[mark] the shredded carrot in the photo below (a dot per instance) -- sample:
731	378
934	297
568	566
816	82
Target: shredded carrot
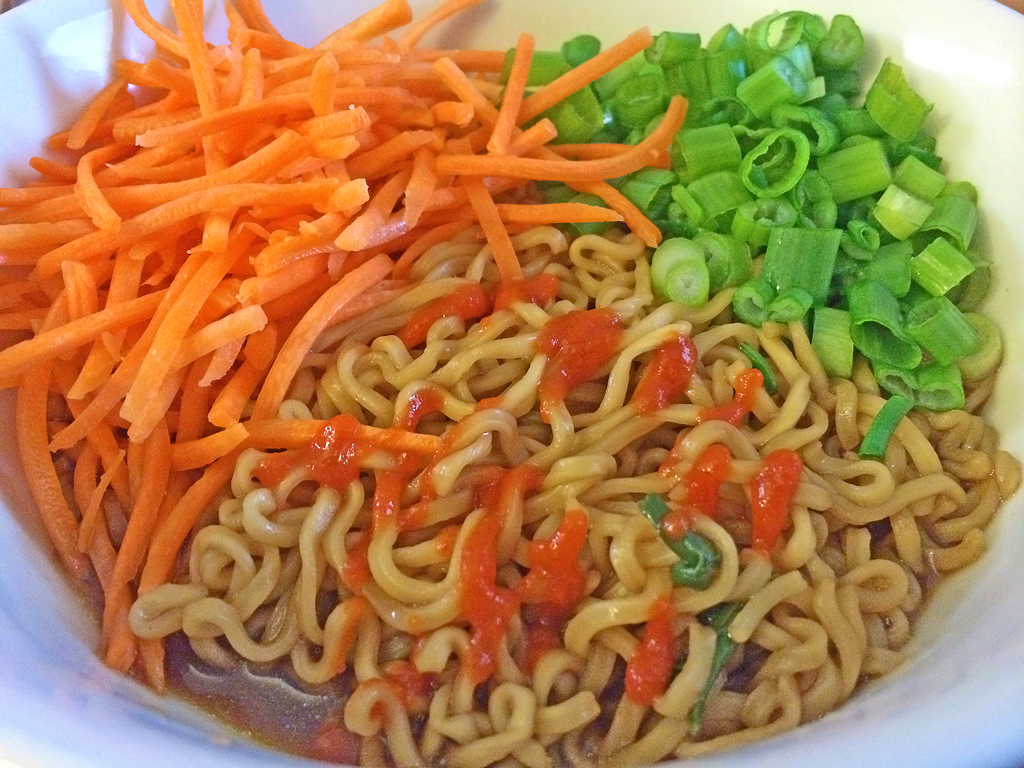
584	74
508	115
183	256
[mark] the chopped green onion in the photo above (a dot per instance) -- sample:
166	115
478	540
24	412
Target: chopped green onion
654	508
812	197
989	351
725	71
831	341
690	79
900	212
790	305
954	216
754	221
889	416
728	39
777	82
708	149
894	105
728	110
963	189
856	171
897	151
544	67
895	380
940	266
698	561
890	266
843	45
650	190
842	81
939	387
555	191
719	192
578	117
679	272
860	240
973	289
751	300
774	166
728	260
802	258
758	361
916	178
857	122
942	330
876	325
688	206
606	85
642	98
718	618
816	89
671	48
821	132
580	49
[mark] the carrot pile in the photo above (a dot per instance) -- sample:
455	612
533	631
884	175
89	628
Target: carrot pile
213	211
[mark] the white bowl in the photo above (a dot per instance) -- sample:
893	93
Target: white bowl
959	701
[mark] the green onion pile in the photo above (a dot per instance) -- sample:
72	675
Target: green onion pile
813	203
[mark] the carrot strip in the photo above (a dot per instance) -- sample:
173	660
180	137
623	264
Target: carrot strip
333	301
17	359
235	327
260	349
588	151
466	90
294	433
265	288
246	193
533	138
43	483
389	15
555	213
382	159
457	113
564	86
322	83
91	198
508	114
92	510
139	406
83	127
195	454
636	158
155	31
170	533
441	12
466	59
422	183
497	236
358	233
254	15
635	219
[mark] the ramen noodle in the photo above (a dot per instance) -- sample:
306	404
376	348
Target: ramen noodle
491	590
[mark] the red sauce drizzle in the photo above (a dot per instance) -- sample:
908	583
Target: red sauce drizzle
667	376
469	302
748	384
649	669
417	688
577	346
703	483
485	605
355	573
556	578
422	402
540	290
770	491
543	633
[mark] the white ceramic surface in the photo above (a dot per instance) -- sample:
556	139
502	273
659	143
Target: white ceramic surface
958	702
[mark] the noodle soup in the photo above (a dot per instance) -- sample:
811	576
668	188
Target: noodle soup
538	521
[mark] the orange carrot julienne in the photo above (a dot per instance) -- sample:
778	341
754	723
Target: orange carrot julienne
416	31
422	183
389	15
90	117
203	451
555	213
357	234
561	87
293	433
91	198
508	114
290	356
566	170
497	236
